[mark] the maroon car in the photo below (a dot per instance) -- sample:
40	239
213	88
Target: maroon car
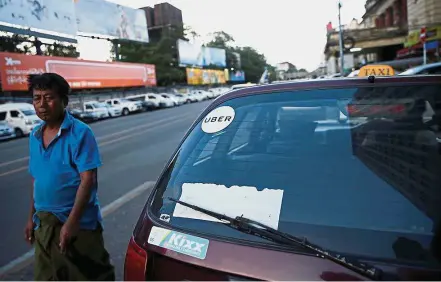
313	180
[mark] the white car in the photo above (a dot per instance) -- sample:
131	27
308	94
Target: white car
200	96
155	99
113	111
168	101
125	105
20	116
98	110
179	98
6	131
434	68
205	94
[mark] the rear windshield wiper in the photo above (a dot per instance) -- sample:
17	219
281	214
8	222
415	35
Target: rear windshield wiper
255	228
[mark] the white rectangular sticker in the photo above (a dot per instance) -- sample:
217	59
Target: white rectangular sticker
262	206
179	242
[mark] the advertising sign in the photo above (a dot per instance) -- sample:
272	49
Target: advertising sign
196	55
50	15
113	20
237	76
14	69
205	76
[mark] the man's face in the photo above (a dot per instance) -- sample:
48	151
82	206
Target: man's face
48	105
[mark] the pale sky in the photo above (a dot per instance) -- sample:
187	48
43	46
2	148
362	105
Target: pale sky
283	30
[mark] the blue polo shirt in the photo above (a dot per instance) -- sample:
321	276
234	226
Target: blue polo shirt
56	170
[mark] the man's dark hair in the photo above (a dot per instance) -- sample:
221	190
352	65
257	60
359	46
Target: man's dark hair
50	81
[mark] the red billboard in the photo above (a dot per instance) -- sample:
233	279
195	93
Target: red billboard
79	73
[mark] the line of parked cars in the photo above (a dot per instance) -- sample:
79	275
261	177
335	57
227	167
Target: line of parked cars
111	108
18	119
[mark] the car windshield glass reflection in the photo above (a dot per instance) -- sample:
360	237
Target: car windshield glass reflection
28	112
359	165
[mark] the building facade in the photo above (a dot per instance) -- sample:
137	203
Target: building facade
161	19
423	13
378	37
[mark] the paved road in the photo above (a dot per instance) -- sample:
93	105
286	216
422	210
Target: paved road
134	150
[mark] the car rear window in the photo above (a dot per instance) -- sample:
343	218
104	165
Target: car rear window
356	170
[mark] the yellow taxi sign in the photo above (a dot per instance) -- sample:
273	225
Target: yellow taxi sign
376	70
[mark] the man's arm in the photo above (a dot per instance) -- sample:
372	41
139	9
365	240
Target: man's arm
86	158
29	228
32	207
88	181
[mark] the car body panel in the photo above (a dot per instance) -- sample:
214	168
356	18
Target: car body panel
23	122
228	258
6	131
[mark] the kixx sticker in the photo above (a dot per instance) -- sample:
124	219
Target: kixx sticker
179	242
218	119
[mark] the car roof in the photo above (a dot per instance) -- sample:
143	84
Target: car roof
421	68
16	106
329	83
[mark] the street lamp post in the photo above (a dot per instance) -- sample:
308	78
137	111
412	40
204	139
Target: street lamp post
340	32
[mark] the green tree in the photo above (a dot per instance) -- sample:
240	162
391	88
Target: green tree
303	70
162	53
14	43
224	41
61	50
252	62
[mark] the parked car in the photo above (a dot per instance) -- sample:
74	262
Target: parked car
181	99
99	110
167	101
112	110
20	116
434	68
276	183
6	131
149	101
86	117
125	105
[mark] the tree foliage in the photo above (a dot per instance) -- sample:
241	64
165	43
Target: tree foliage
16	43
162	53
61	50
252	62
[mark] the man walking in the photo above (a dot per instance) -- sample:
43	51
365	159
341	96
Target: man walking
65	218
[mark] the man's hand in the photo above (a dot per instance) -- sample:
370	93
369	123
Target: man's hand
29	231
68	231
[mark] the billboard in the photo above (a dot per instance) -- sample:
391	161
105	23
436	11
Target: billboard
205	76
50	15
196	55
239	62
110	19
14	69
237	76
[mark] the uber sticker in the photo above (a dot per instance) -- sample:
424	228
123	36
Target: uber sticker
179	242
218	119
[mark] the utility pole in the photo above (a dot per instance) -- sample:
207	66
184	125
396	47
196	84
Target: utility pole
340	32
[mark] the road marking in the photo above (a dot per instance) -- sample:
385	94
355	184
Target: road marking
14	171
27	258
140	126
156	125
14	161
138	133
106	136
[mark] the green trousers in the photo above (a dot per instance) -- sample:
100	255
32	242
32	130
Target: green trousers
85	258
